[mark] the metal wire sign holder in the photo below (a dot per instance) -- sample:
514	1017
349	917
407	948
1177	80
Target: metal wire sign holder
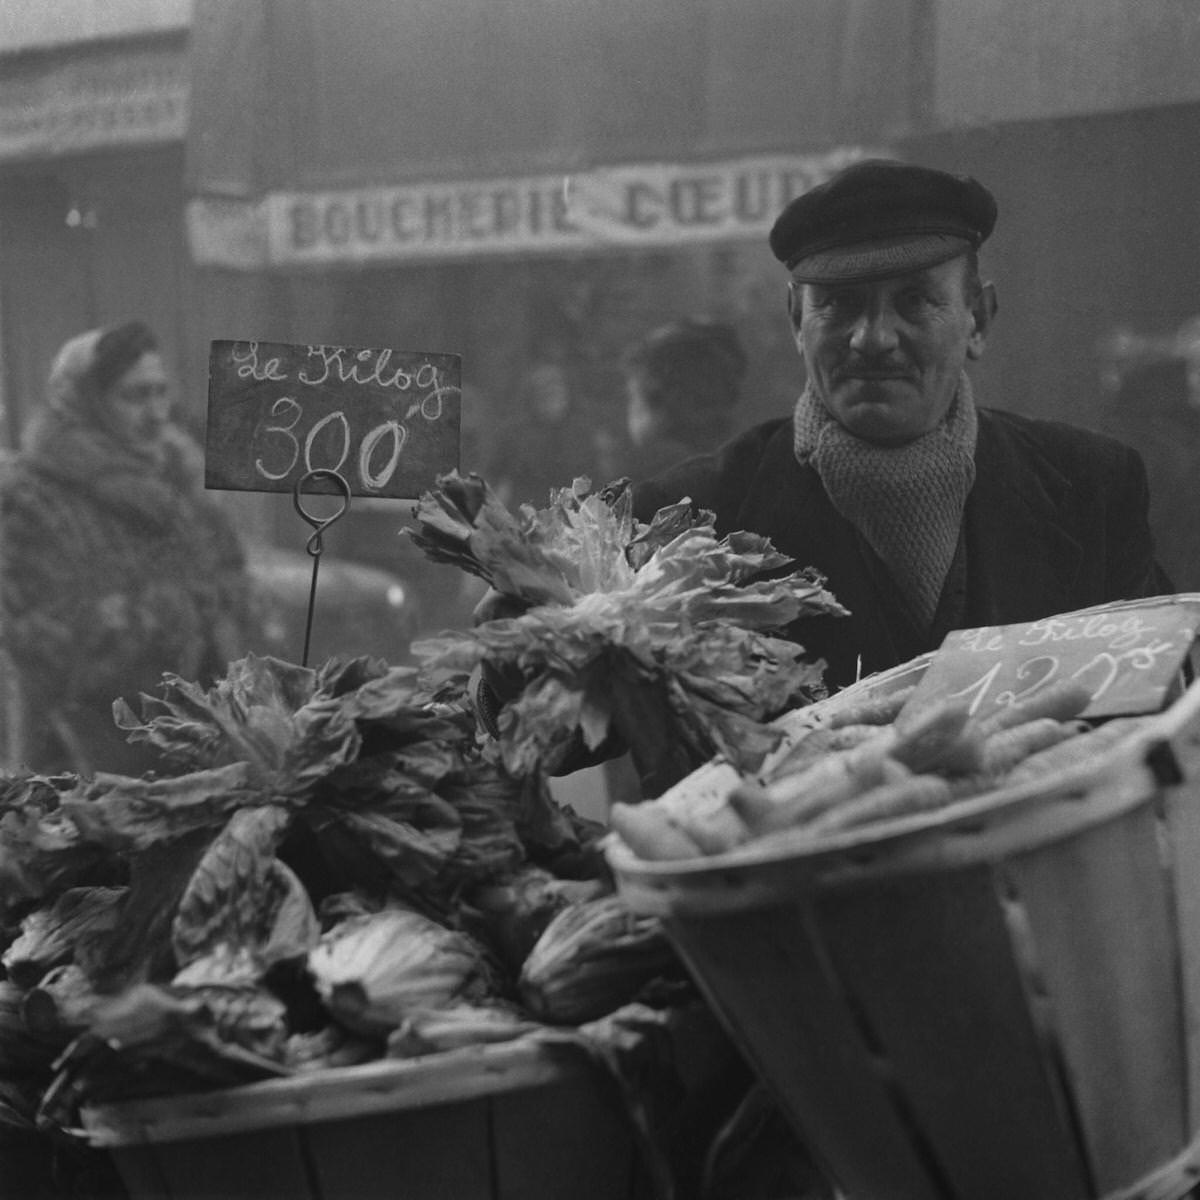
315	545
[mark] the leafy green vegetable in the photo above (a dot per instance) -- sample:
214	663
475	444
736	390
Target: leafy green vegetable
661	634
282	787
41	850
48	935
248	717
372	970
241	897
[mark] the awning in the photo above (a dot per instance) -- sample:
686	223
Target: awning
100	96
332	131
313	94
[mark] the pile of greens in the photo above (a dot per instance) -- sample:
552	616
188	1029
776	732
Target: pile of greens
334	865
657	637
160	933
329	867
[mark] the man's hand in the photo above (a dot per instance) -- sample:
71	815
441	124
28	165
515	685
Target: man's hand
495	606
492	686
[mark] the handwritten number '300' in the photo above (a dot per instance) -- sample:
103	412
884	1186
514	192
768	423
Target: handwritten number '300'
285	405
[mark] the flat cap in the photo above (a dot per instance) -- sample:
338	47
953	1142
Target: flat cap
881	217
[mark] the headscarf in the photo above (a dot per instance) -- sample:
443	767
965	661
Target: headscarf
71	437
69	369
118	349
87	365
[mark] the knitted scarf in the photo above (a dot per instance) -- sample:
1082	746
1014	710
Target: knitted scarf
906	501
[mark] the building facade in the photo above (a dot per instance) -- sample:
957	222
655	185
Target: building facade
542	181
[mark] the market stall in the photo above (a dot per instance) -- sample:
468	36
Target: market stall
931	936
340	926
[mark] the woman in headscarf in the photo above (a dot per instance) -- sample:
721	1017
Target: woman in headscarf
115	567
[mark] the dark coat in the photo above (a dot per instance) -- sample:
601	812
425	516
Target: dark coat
1056	521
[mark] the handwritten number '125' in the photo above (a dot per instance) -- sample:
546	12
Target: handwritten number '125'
287	406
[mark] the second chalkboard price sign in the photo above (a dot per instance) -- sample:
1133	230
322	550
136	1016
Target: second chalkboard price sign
1129	656
386	421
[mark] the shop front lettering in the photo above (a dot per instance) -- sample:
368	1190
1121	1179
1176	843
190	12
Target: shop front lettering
714	201
506	211
752	197
144	97
504	214
435	218
646	204
682	202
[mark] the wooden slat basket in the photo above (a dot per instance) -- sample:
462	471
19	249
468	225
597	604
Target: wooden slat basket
999	1001
519	1121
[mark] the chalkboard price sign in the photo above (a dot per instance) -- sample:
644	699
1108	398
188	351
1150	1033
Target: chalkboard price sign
387	421
1129	656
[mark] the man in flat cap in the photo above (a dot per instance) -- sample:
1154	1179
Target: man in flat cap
924	511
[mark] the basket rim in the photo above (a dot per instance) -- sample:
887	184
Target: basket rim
335	1093
1124	760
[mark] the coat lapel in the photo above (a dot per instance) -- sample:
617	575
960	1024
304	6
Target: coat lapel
787	503
1022	557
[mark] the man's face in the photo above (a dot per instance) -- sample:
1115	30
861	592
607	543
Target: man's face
885	357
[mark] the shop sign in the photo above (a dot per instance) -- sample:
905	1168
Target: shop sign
634	206
386	421
136	98
227	232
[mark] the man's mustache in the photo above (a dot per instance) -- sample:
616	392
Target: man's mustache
881	367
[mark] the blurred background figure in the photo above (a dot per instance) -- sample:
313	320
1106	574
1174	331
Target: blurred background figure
545	440
1151	388
114	564
683	383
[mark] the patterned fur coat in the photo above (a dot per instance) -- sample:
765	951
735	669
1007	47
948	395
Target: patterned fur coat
113	570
